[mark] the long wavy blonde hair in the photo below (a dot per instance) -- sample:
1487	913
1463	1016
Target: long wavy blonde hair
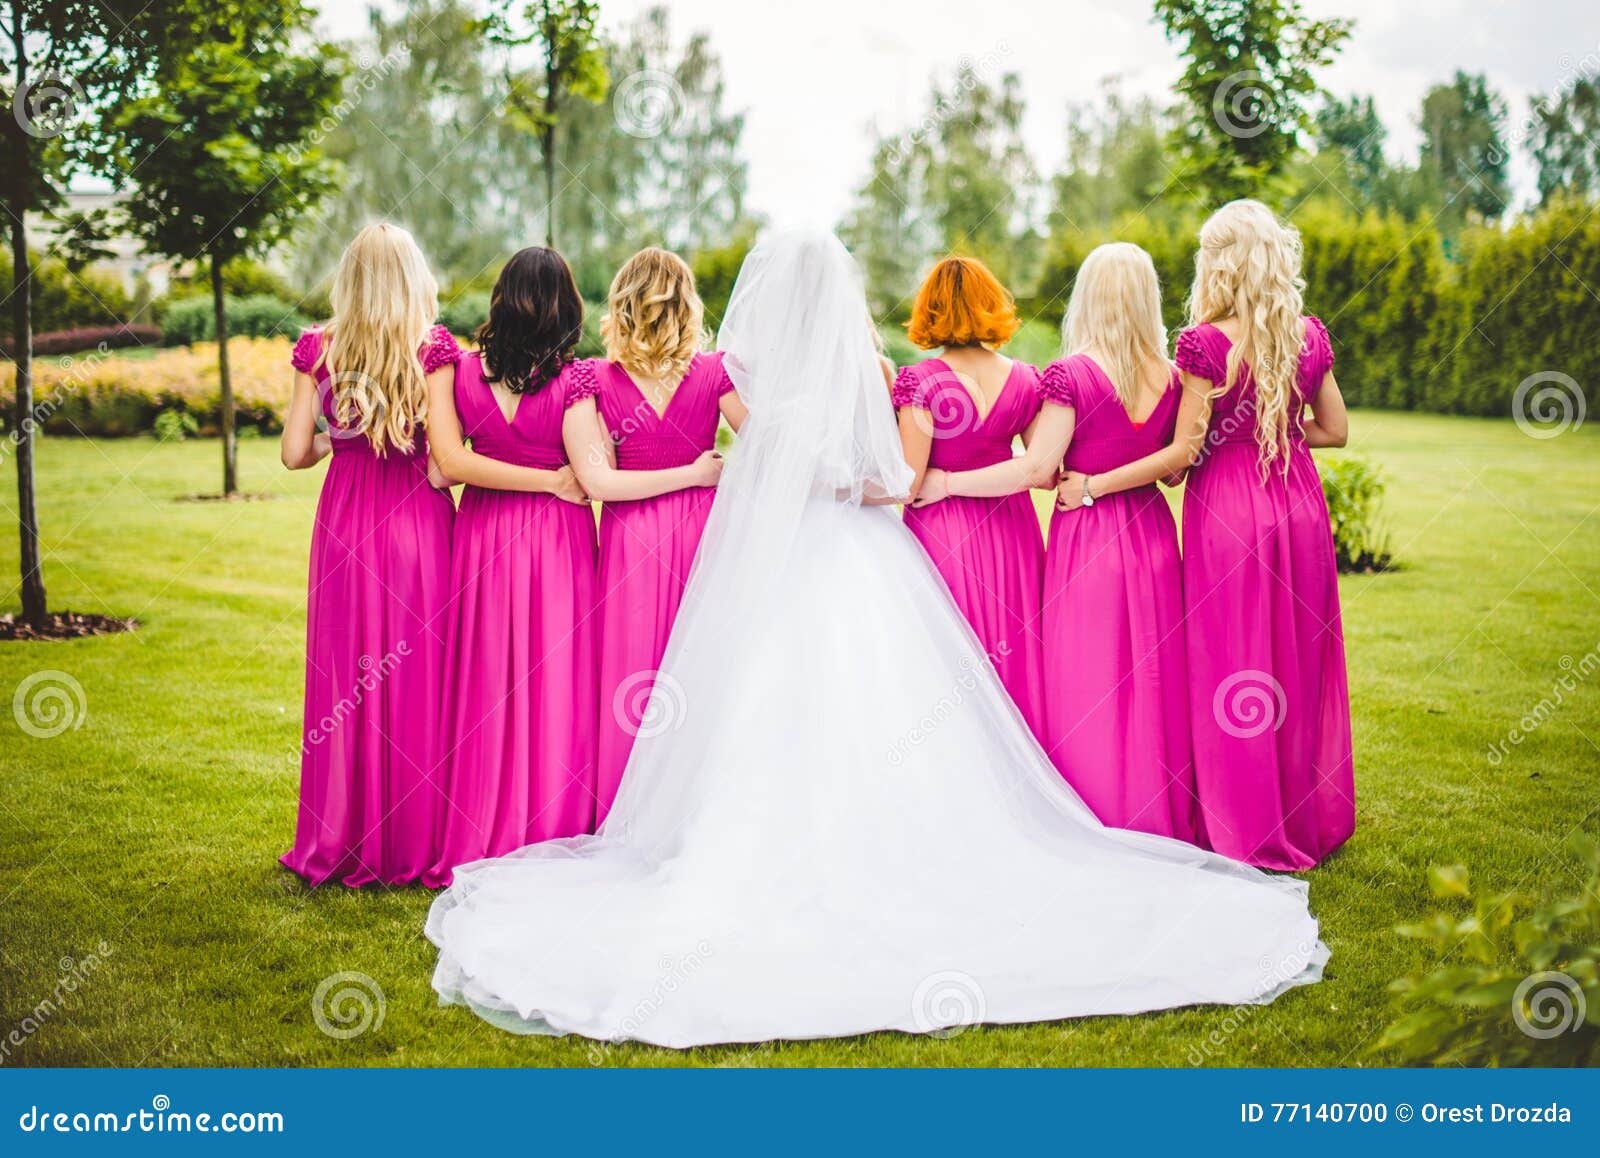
1248	268
384	303
654	321
1116	308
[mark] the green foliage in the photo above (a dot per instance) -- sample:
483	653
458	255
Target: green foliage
715	271
1565	129
241	278
1516	983
1464	153
66	300
175	426
193	319
1248	75
1353	488
464	312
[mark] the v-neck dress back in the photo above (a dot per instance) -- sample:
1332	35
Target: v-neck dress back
1116	691
989	552
647	547
520	710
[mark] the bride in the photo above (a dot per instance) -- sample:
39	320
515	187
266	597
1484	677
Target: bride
834	820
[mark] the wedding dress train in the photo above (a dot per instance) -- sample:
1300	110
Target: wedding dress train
834	820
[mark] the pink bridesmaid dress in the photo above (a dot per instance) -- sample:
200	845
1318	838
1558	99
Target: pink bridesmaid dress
1116	706
989	552
646	548
1268	698
520	713
375	620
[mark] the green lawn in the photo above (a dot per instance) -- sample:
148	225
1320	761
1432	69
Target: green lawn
154	827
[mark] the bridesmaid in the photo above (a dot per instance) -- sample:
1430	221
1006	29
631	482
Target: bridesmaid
1268	696
518	730
1116	712
380	570
959	412
645	446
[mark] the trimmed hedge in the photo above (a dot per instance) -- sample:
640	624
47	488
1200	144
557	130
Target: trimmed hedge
90	338
194	319
1412	329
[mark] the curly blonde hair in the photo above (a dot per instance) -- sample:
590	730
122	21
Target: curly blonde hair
654	323
1248	268
384	302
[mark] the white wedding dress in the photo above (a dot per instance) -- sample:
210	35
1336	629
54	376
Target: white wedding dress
834	820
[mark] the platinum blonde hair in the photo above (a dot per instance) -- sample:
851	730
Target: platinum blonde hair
1248	268
384	302
1116	308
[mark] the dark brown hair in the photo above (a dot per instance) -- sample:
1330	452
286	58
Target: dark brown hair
535	321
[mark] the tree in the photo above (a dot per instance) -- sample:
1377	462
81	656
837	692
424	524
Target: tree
571	65
1248	77
1115	163
1565	129
223	150
960	181
1464	155
1354	130
61	63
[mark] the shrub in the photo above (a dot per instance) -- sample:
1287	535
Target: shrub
91	338
113	395
175	425
464	312
1527	991
63	300
1354	490
190	320
241	278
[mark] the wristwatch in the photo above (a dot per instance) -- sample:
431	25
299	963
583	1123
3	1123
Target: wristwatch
1088	499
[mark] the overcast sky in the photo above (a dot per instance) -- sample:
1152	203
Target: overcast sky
814	75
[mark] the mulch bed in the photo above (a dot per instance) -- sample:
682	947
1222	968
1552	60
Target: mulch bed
65	625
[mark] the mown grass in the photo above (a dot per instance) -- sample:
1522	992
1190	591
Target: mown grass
153	828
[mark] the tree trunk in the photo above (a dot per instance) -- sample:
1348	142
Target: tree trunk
33	597
34	607
549	159
230	445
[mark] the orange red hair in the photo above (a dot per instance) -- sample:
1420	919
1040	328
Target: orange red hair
962	304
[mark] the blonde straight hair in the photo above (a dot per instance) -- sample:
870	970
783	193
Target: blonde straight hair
654	323
384	303
1248	268
1116	308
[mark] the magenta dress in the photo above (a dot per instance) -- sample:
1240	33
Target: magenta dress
375	624
646	548
1269	701
989	552
1116	705
520	712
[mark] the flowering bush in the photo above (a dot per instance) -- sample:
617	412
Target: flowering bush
110	394
90	338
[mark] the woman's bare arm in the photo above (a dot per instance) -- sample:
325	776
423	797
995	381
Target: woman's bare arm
590	451
1329	424
300	446
1188	441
